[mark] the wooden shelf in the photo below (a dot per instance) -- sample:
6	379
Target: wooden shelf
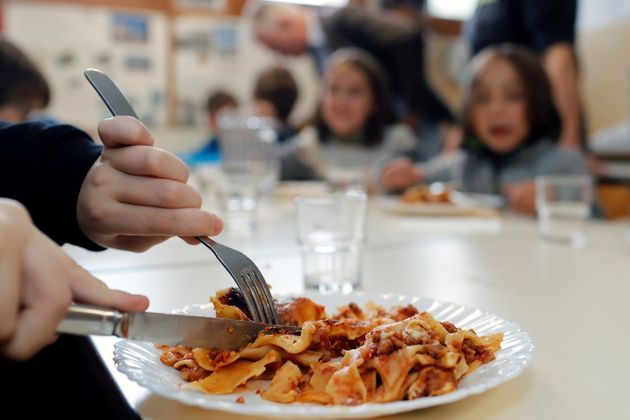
447	27
233	7
147	5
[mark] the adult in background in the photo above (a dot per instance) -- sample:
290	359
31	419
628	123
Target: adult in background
397	46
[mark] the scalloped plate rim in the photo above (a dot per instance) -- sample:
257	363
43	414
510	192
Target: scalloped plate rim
227	403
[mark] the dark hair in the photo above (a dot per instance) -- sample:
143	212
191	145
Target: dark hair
20	79
218	100
542	116
382	114
277	86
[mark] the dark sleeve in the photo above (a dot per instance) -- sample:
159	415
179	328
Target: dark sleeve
549	22
43	167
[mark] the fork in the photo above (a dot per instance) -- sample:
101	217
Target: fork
247	276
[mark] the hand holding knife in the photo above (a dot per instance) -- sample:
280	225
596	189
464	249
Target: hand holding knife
167	329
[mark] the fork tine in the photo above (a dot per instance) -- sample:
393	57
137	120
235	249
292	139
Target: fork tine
221	252
262	296
266	294
257	301
250	299
119	105
249	280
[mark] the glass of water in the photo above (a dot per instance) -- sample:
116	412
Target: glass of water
249	167
331	230
563	204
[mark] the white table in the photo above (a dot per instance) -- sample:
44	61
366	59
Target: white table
573	302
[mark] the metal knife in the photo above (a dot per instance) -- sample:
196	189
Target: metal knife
168	329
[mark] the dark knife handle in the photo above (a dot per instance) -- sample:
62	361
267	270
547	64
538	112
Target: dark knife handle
93	320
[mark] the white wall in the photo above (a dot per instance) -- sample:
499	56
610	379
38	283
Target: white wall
65	40
604	50
199	73
49	32
598	14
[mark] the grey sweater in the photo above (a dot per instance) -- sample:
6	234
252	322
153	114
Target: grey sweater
476	172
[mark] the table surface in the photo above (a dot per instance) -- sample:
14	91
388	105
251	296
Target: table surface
572	301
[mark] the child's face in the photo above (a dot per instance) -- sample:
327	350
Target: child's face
347	102
499	108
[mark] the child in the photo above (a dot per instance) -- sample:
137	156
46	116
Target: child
209	151
511	128
23	88
275	95
352	126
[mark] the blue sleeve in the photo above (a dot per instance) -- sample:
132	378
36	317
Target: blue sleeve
549	22
43	167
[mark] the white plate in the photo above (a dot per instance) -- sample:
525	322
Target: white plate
292	189
141	363
393	204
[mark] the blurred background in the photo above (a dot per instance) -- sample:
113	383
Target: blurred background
169	55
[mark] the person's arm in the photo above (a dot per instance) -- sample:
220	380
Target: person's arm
559	62
43	166
136	195
132	197
521	196
399	173
561	162
551	28
37	283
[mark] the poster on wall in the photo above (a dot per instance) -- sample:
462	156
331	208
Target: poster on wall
128	27
225	38
137	62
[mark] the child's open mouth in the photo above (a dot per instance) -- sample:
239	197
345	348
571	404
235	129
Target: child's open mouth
500	130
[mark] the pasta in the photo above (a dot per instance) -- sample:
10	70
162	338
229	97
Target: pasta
426	194
353	357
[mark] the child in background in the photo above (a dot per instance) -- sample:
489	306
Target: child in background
23	88
511	129
353	126
209	152
275	95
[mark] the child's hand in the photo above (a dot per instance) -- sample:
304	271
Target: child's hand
37	283
136	195
522	196
400	174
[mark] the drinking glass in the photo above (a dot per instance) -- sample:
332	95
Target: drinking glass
563	204
331	231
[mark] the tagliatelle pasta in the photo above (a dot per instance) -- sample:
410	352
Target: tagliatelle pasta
353	357
427	194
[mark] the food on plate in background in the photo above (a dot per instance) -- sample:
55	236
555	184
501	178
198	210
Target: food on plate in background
427	194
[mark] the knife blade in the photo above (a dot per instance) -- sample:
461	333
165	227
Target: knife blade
167	329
